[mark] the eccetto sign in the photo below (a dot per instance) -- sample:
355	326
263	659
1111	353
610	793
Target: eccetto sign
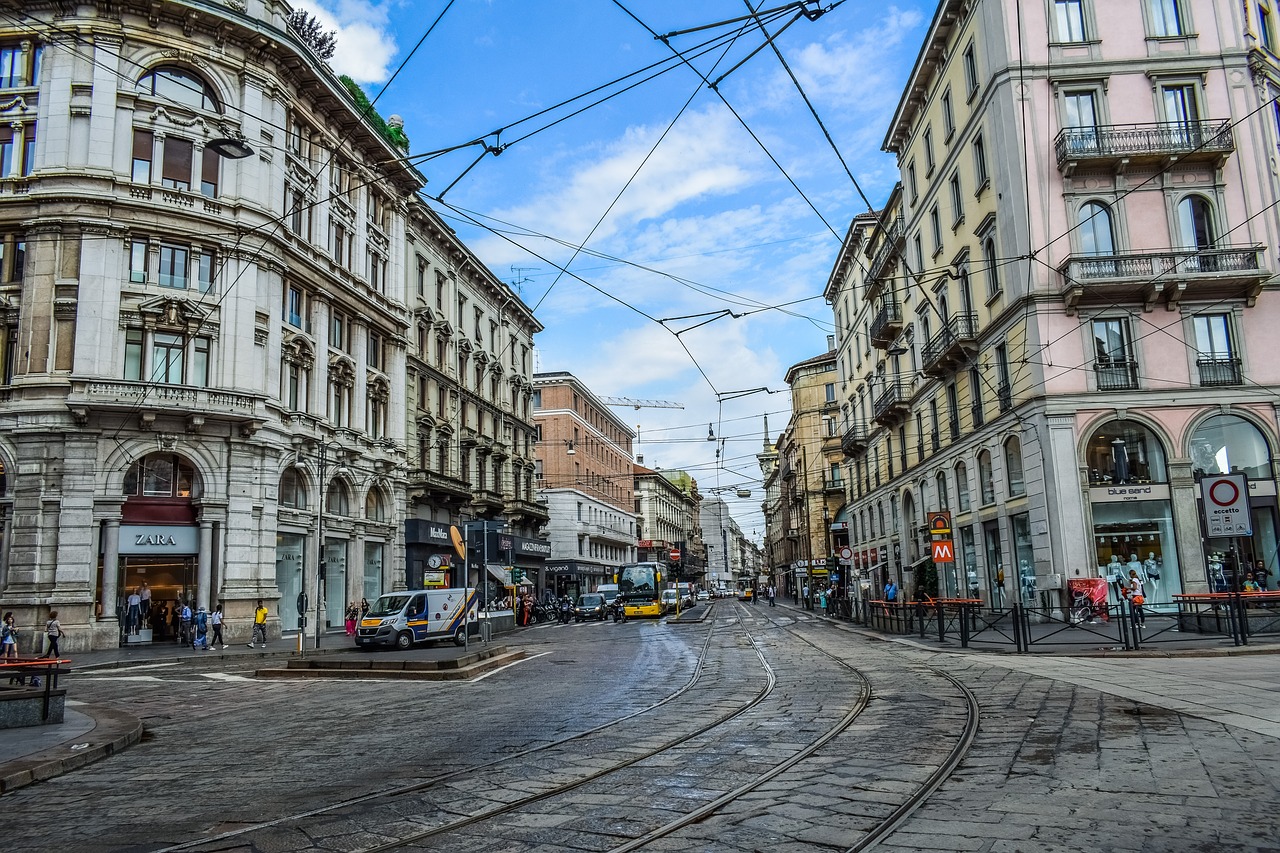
1225	504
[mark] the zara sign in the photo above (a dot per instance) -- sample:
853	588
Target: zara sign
158	539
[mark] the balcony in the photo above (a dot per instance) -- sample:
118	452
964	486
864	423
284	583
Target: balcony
439	488
1219	371
1230	272
486	500
1122	145
833	486
892	405
855	440
890	248
951	347
1005	395
887	325
534	512
978	414
1116	374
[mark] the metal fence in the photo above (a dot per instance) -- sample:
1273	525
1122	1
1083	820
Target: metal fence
1205	619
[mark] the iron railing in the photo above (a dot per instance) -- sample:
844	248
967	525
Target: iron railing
1116	374
1219	371
1167	138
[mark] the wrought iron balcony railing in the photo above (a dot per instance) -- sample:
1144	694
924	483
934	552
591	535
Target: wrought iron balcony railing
887	324
1228	271
1219	371
951	345
1116	374
1210	137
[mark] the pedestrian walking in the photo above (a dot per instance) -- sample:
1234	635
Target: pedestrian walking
215	619
53	630
184	624
200	640
8	637
350	621
890	591
259	625
773	591
1136	593
364	607
805	595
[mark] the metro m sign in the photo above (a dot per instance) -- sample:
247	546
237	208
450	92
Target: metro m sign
944	551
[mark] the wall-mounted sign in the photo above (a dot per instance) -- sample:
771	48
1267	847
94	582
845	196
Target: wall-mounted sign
158	539
1225	505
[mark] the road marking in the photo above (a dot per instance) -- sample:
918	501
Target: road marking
508	666
225	676
101	672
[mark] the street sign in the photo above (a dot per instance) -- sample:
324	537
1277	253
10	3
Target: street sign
1225	504
939	523
302	604
675	555
944	551
846	553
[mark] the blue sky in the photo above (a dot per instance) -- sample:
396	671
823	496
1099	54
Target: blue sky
681	210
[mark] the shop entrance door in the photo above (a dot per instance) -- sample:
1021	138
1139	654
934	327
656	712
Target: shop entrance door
171	581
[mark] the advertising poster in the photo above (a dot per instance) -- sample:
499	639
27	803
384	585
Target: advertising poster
1088	599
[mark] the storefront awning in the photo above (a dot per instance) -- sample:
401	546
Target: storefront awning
499	573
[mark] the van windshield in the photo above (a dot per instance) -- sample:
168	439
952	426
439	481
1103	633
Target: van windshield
388	605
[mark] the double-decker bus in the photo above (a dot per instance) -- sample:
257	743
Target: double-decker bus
639	588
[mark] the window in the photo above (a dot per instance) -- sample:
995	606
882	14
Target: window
1126	452
1166	18
914	186
962	487
957	202
138	261
917	252
993	267
293	493
143	151
953	411
981	175
339	403
293	305
299	212
970	70
928	151
178	86
1069	19
1215	355
377	272
174	262
975	395
340	180
986	478
299	139
1195	225
174	359
336	501
1225	443
376	349
1080	120
296	379
338	325
935	224
1114	367
17	151
944	501
19	67
1095	234
1005	391
948	116
176	168
1013	467
209	165
1266	25
341	242
422	277
830	390
205	270
1181	106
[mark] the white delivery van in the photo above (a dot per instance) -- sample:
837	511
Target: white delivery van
401	619
609	591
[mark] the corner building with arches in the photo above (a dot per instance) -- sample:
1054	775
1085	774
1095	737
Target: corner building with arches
1064	314
215	273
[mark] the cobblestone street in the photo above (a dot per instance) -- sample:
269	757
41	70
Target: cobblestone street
1171	754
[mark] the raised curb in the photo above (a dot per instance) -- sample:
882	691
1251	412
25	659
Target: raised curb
403	670
112	732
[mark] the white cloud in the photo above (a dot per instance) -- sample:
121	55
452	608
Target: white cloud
365	45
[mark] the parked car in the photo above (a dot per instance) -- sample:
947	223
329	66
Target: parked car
703	595
590	605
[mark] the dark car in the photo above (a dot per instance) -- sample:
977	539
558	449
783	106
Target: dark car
590	606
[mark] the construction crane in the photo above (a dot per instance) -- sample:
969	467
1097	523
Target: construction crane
640	404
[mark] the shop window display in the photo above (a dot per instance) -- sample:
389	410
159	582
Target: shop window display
1124	452
1226	443
1137	536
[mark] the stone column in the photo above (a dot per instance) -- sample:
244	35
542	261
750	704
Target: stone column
204	563
110	569
6	534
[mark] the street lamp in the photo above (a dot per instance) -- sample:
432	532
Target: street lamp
322	494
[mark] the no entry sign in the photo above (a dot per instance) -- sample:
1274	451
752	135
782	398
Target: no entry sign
1225	503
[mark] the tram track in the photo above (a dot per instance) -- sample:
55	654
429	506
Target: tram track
555	794
398	791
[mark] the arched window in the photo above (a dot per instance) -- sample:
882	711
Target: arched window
293	493
1096	236
1226	443
177	85
962	486
375	509
986	478
160	475
944	500
1125	452
1195	223
336	501
1013	467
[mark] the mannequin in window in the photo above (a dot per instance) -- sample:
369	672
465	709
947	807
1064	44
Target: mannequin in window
1119	461
1111	569
1136	567
1152	567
